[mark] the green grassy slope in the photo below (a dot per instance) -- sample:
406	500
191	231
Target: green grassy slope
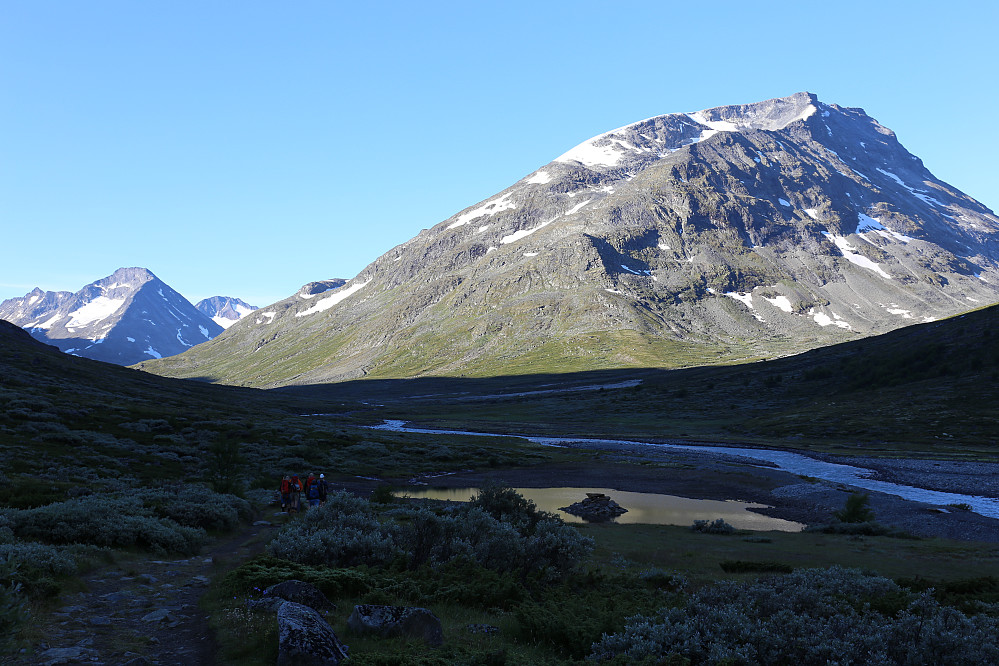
929	388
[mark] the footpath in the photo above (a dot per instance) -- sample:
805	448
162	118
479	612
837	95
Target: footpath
141	611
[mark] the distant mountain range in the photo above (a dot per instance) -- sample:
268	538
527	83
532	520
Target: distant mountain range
124	318
729	234
224	310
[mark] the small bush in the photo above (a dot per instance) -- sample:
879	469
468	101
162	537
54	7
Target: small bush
857	509
344	532
717	526
382	494
507	505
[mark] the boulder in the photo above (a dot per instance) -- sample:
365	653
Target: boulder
306	639
300	592
597	507
265	604
391	621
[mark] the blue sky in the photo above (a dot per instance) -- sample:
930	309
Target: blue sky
246	148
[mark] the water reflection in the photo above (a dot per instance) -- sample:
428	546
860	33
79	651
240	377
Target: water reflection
648	508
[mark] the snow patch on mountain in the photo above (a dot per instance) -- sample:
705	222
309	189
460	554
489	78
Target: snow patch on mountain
328	302
101	307
781	302
919	194
851	255
540	177
488	208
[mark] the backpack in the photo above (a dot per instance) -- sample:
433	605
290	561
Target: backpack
314	491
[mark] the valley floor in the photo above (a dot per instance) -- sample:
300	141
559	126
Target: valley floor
639	468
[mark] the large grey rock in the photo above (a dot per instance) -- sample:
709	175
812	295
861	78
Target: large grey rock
305	638
66	655
389	621
266	604
301	593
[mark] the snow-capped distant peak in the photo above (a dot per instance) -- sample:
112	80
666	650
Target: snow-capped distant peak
104	319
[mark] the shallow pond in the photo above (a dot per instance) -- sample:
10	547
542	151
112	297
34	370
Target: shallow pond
789	461
648	508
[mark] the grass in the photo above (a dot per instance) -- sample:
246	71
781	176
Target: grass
700	556
927	390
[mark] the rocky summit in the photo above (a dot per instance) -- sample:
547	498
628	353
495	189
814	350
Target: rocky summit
124	318
224	310
734	233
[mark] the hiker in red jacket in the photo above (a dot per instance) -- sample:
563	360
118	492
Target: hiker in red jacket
296	494
285	492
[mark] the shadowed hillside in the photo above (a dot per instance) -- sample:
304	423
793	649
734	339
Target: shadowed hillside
930	388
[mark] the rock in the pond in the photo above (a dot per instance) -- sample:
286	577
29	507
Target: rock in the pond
596	507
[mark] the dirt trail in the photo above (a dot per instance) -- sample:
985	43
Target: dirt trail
143	610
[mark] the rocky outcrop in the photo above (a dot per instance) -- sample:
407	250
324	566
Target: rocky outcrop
388	621
305	638
596	508
300	592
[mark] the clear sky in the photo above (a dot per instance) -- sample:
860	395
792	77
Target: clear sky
244	148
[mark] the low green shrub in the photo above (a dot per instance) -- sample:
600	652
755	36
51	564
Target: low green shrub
861	529
253	577
13	606
717	526
967	594
196	506
347	532
744	566
104	520
812	616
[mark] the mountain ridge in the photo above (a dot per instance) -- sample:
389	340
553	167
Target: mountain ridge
122	318
733	233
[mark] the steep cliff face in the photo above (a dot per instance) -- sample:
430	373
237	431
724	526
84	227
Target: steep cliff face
737	232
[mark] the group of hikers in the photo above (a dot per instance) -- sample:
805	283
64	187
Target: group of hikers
314	490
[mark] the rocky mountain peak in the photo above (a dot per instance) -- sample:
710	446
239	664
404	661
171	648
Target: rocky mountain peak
736	232
122	318
772	115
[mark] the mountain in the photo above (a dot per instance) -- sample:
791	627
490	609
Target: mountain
733	233
124	318
224	310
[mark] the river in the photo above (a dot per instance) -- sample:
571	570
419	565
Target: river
788	461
